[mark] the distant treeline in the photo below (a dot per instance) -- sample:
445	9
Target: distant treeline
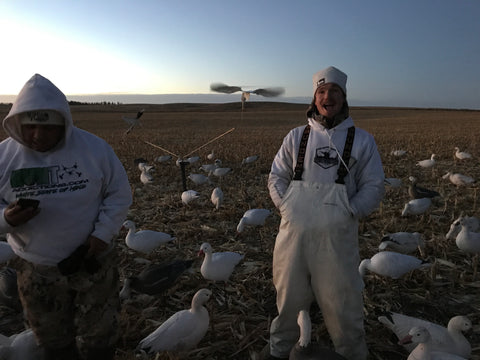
95	103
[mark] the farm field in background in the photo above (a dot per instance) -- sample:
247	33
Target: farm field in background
242	311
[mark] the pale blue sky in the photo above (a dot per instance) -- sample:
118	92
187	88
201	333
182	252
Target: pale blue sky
400	53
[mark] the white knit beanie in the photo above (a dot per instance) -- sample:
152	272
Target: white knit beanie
330	75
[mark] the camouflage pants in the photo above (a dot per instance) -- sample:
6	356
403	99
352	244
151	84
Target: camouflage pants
80	307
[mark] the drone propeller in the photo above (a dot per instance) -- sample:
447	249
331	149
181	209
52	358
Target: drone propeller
267	92
223	88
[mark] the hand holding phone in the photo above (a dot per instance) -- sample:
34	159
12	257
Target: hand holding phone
25	203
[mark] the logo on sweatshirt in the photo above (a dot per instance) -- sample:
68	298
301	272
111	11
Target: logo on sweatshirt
47	180
326	157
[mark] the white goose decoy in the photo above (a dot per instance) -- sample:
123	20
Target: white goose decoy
144	241
304	349
183	330
163	158
21	346
427	163
146	176
402	241
398	152
448	339
211	156
6	252
462	155
192	159
220	265
468	240
220	171
420	336
391	264
416	206
208	168
217	197
253	217
199	179
250	159
458	179
189	195
472	222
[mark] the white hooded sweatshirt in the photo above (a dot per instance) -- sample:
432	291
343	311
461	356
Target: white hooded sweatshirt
81	184
365	179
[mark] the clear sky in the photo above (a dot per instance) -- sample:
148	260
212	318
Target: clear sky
397	53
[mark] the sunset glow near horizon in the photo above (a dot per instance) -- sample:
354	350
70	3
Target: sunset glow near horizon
409	53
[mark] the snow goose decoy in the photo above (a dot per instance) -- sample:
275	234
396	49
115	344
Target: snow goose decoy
183	330
163	158
462	155
472	222
250	159
144	241
458	179
427	163
22	346
199	179
253	217
398	152
189	195
146	176
155	278
208	168
220	171
217	197
391	264
448	339
416	206
304	349
218	266
420	336
469	242
418	192
402	241
211	156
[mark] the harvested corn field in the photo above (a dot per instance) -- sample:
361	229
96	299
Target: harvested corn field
241	311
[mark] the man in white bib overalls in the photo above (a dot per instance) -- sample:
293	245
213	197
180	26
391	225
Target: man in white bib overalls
325	176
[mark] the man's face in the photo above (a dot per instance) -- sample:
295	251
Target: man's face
329	99
42	137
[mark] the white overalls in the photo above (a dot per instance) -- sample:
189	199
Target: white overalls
316	257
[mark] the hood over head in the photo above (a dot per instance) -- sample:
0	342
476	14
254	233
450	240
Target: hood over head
39	102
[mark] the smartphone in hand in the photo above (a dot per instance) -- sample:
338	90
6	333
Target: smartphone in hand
25	203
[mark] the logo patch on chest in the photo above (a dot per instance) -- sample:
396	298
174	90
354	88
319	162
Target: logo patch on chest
326	157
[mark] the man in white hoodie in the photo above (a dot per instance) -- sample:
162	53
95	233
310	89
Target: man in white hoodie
326	175
66	265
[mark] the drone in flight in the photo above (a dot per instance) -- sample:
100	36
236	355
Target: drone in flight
267	92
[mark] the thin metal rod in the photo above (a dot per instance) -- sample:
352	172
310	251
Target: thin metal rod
159	147
218	137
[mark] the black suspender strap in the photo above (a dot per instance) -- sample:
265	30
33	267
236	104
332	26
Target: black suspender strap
342	170
301	154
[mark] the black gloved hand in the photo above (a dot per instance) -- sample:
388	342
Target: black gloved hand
74	261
